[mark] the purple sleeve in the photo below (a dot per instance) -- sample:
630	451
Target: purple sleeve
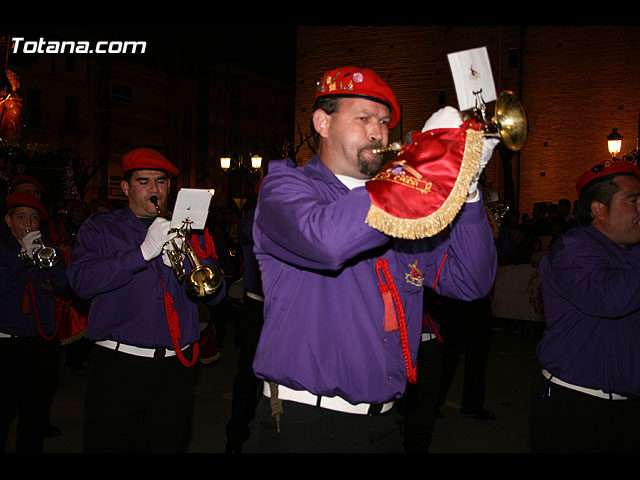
471	262
299	225
115	269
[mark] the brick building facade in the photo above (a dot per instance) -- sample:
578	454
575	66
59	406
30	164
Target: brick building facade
576	84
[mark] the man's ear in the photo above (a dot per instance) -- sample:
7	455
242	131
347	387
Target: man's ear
124	185
321	121
598	210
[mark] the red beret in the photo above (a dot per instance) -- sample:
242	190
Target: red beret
148	159
359	82
420	192
20	179
24	199
608	168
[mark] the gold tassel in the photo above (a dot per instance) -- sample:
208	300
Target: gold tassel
416	228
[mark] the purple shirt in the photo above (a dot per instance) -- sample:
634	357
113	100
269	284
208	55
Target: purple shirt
592	311
324	329
15	275
126	292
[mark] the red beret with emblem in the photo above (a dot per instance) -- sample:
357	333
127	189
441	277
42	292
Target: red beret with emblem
420	192
25	199
608	168
359	82
148	159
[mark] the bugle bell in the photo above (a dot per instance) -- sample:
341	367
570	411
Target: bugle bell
43	256
203	280
509	122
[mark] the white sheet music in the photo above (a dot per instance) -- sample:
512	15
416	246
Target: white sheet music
471	71
192	204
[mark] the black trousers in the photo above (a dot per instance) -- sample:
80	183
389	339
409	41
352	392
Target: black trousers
310	429
246	386
421	398
466	329
566	421
137	404
29	369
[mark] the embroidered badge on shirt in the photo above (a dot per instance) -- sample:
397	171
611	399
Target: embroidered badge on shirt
415	276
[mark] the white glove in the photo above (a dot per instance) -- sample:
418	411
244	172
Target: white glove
165	257
447	117
488	145
157	236
30	242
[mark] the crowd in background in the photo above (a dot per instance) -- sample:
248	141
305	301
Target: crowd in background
525	239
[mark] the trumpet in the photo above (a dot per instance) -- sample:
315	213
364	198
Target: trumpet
203	279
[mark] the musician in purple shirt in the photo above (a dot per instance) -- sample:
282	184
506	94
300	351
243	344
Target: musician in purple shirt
29	345
332	368
587	395
139	396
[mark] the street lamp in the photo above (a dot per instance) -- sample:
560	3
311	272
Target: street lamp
614	141
239	172
256	163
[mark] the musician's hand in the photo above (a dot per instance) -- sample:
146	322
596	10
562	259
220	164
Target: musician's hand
157	236
447	117
31	242
165	256
488	145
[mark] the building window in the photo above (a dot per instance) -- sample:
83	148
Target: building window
121	93
70	63
71	114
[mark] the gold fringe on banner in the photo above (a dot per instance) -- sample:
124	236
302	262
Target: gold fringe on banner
434	223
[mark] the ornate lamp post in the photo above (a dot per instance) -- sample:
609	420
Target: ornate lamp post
242	171
614	143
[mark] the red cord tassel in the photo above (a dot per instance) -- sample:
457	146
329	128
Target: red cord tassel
173	320
383	265
31	293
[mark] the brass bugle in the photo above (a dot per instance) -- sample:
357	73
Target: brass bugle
174	253
394	147
44	256
204	279
509	122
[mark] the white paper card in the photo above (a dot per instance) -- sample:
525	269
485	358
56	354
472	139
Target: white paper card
192	204
471	71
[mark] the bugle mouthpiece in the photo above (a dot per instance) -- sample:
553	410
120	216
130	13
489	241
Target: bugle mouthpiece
394	147
153	199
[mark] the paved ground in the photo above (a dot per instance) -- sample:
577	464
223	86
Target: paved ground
512	365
